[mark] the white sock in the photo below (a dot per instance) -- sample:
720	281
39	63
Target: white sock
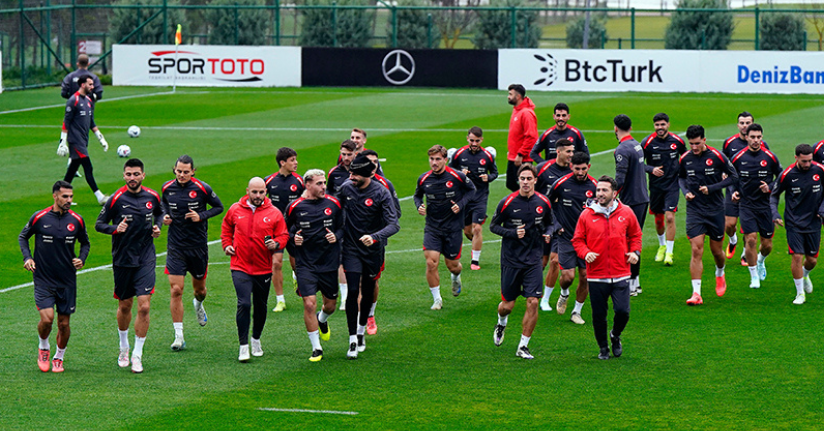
761	258
138	346
670	246
696	286
361	329
734	239
344	291
637	282
199	304
799	286
178	329
632	285
524	341
719	272
564	292
372	310
99	195
353	339
807	272
547	293
476	255
753	271
281	298
743	251
314	339
323	317
60	353
456	277
578	307
124	339
436	292
662	239
44	344
503	319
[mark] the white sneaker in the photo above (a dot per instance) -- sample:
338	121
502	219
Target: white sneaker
562	304
103	200
800	299
755	283
123	358
437	305
137	364
178	344
352	353
257	351
808	284
576	319
243	356
201	313
361	343
545	305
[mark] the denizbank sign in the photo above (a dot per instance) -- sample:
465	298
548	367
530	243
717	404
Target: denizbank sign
662	70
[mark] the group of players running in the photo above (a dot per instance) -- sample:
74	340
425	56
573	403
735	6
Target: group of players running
453	196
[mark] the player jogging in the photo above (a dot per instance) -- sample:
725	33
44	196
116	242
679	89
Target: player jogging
561	130
339	175
701	179
54	266
78	119
478	164
803	209
132	216
662	150
524	221
188	204
758	168
447	193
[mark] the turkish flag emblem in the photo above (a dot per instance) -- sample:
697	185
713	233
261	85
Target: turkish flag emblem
328	211
70	228
368	202
709	162
482	162
539	210
192	194
763	163
149	205
293	187
589	193
674	147
449	184
816	177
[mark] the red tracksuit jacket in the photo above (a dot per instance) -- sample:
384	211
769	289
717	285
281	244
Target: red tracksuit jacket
611	237
246	229
523	130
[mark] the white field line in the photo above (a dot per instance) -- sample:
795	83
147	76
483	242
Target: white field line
104	267
113	99
330	412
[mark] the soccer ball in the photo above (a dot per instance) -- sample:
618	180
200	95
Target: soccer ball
134	131
449	153
124	151
491	149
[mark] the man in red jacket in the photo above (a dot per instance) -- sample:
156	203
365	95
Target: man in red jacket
608	238
523	132
252	231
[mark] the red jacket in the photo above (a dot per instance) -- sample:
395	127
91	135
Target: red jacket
523	131
611	237
246	229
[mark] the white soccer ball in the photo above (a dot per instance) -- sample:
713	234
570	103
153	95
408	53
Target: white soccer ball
134	131
449	153
492	151
124	150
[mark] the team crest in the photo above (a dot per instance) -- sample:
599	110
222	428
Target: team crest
709	162
70	227
674	147
293	188
328	211
449	184
816	177
149	205
589	193
192	194
368	202
763	163
482	162
621	219
539	209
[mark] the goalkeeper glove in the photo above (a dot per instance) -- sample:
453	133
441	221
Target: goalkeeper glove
62	147
102	140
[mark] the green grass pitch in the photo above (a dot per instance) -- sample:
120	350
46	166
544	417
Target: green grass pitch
749	360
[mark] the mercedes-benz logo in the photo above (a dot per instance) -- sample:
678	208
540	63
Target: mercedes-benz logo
549	63
398	67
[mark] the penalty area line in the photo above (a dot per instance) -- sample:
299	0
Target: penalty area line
329	412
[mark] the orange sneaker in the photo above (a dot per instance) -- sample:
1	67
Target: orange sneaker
695	299
475	265
731	250
371	326
720	285
57	366
43	360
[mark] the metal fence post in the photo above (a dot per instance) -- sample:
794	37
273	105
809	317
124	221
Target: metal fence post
22	49
335	24
429	30
48	35
704	39
394	26
277	22
73	38
603	39
757	35
165	22
514	26
804	45
237	25
619	43
632	29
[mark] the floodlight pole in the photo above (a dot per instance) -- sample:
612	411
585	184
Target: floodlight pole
585	42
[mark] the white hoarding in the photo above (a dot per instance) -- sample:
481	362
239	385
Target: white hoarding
662	70
206	66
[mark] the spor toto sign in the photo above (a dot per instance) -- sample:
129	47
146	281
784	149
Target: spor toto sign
203	65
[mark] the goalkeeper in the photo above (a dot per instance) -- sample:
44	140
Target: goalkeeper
74	139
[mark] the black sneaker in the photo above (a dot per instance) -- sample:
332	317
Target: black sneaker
617	348
317	355
323	327
604	353
361	343
523	352
498	334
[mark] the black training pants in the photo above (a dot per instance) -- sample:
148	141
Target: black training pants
249	288
512	175
87	171
366	286
599	294
640	211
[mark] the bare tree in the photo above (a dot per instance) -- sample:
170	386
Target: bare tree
815	18
455	20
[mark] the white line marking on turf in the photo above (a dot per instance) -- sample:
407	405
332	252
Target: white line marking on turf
113	99
331	412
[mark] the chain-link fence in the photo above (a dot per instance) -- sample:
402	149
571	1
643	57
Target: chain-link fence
40	39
